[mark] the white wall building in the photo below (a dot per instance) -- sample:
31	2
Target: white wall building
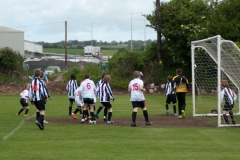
12	38
31	48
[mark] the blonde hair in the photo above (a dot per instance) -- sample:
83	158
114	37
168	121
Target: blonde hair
26	85
106	78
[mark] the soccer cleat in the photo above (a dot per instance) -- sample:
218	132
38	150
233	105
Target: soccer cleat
39	125
92	122
175	114
105	118
183	113
109	122
233	122
17	114
148	123
25	115
134	124
44	121
96	115
74	116
180	117
83	120
167	111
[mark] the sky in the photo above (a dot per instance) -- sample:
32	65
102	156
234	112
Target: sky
105	20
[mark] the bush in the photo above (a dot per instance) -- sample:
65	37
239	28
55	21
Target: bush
11	66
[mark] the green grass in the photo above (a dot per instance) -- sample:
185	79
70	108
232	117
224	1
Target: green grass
76	51
23	140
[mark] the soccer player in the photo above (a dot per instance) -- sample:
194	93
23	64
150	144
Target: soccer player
79	101
105	94
88	91
170	95
98	95
42	78
38	96
24	101
137	98
45	78
181	89
71	87
229	97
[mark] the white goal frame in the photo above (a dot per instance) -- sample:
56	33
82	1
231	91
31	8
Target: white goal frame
216	57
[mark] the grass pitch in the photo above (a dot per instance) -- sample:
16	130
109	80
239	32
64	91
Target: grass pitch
23	140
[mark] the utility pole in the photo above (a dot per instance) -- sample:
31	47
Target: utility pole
159	34
66	45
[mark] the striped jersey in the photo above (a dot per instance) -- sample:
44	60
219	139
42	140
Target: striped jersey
24	94
88	89
97	87
71	87
228	96
37	90
134	87
105	92
169	89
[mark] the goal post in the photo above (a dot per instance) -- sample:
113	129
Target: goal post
213	60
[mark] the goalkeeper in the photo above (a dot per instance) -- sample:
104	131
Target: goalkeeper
229	98
181	90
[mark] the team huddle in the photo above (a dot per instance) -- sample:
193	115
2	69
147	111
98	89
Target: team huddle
86	94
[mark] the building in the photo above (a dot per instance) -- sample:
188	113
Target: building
15	39
12	38
32	50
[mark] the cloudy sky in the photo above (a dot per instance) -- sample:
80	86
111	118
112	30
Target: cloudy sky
106	20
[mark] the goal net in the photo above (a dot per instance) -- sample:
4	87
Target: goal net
213	60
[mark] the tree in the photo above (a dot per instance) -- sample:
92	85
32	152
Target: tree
11	62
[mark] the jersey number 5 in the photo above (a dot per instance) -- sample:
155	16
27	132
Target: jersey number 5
135	87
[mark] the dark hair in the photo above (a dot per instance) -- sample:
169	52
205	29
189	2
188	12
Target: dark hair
37	72
86	76
179	71
136	74
73	76
103	74
169	78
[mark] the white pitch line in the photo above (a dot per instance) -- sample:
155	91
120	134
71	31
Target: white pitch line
17	128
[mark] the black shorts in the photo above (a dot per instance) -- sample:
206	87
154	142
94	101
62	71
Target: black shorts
137	104
40	105
24	102
107	105
227	107
71	100
171	98
88	101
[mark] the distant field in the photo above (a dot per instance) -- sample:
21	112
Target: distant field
76	51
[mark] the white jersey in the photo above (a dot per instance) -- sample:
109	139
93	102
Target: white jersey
78	97
136	93
88	89
24	94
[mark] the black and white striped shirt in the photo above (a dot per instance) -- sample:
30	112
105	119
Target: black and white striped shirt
105	92
97	86
169	89
71	87
228	96
38	90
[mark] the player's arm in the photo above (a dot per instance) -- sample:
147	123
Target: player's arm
142	89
